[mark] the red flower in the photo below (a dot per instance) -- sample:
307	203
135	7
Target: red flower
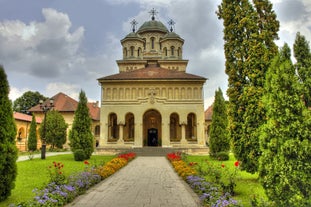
86	162
222	165
236	163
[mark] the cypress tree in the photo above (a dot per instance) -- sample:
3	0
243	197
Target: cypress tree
285	164
248	33
80	136
8	150
219	135
32	138
303	56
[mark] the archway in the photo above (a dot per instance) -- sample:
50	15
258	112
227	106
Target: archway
152	130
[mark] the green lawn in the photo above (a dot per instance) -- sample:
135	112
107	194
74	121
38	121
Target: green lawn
34	174
247	184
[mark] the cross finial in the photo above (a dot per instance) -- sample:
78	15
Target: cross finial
153	12
171	23
134	23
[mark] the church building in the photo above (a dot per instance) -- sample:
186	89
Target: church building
152	101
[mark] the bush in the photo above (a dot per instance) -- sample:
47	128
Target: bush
222	156
79	155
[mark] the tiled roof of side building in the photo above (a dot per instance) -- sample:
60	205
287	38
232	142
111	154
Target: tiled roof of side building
25	117
64	103
153	73
208	113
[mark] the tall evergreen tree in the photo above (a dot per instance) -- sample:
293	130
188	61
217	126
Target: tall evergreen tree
56	129
303	56
219	135
248	33
32	138
80	136
8	150
285	164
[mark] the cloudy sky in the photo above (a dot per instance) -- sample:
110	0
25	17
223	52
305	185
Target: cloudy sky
55	46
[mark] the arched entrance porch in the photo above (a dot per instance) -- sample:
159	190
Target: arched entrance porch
152	130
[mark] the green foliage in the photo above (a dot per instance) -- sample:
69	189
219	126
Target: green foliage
249	32
79	155
27	100
219	134
8	150
302	54
222	156
285	165
56	129
32	138
80	135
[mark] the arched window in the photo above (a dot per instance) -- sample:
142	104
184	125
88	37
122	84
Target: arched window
175	129
125	52
191	127
172	51
152	42
138	52
165	51
179	52
97	130
129	128
132	51
113	128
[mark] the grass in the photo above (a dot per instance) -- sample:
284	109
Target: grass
34	173
247	183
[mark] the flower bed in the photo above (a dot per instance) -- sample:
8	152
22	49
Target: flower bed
211	194
62	190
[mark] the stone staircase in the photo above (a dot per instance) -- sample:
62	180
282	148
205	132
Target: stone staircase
152	151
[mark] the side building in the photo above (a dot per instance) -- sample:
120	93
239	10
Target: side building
67	107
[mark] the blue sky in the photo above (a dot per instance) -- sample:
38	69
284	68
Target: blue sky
55	46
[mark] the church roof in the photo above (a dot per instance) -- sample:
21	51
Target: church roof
153	73
208	113
152	25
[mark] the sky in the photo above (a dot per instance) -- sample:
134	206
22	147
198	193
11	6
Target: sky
53	46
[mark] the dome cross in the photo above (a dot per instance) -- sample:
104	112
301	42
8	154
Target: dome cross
134	23
153	13
171	23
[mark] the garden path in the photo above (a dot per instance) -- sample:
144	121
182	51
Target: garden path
144	182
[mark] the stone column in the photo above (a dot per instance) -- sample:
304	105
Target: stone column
120	140
183	133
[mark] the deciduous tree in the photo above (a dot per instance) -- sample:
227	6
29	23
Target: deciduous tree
249	32
56	129
27	100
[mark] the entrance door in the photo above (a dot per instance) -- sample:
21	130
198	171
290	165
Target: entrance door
152	137
152	128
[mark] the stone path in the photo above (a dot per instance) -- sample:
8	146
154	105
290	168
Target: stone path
144	182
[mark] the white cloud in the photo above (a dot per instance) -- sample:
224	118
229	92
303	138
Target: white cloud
71	90
16	93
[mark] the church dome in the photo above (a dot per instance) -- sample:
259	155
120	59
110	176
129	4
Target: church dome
152	25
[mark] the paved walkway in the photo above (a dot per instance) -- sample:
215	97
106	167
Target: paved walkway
48	154
144	182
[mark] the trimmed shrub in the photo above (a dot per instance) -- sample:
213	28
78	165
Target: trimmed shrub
79	155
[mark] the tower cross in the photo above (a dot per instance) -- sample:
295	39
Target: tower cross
153	12
134	23
171	23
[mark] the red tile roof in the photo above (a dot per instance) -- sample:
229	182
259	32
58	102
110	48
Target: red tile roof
25	117
153	73
64	103
208	113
